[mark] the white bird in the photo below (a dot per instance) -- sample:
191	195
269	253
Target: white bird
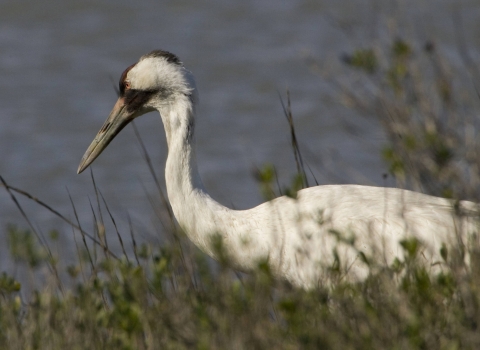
297	237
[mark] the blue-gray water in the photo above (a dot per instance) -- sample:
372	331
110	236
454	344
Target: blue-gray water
60	59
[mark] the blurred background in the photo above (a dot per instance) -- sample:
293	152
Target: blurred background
60	61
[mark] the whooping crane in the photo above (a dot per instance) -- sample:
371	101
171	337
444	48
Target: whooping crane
295	235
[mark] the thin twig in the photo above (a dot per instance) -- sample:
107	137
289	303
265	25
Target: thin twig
39	238
105	241
287	110
115	225
147	158
313	175
83	235
134	243
277	181
96	230
56	213
80	259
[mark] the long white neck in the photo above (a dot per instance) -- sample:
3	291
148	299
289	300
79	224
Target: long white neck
196	212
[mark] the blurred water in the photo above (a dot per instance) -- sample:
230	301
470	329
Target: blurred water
59	61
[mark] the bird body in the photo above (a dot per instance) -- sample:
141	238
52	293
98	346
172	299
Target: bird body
301	238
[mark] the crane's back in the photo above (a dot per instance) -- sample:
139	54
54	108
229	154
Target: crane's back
327	227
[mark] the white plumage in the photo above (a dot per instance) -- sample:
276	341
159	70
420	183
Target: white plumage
297	237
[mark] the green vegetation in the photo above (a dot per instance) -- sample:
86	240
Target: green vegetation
173	297
171	300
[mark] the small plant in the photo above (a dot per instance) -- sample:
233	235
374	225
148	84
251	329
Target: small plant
364	59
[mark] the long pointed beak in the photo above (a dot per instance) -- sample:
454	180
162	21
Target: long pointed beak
119	117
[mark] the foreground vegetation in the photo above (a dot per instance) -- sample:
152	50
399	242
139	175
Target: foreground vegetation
173	297
167	301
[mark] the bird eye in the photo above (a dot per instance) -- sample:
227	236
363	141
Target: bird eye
127	85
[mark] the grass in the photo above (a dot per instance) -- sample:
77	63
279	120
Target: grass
173	297
168	300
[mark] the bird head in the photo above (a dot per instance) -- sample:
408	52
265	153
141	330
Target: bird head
157	80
